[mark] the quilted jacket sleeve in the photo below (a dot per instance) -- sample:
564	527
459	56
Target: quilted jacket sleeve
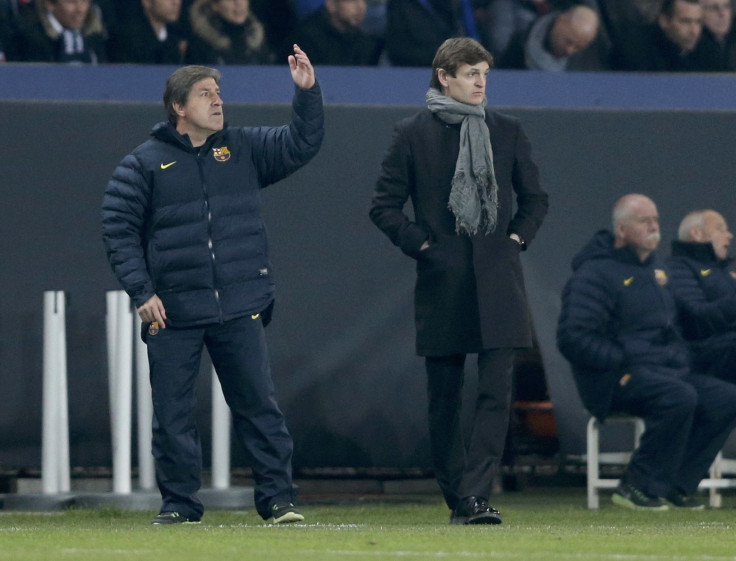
280	151
124	210
583	334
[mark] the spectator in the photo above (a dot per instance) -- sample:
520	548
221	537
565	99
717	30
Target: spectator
506	18
226	32
416	28
70	31
4	36
279	22
554	40
305	7
619	331
375	18
332	35
150	36
672	44
620	16
718	31
705	291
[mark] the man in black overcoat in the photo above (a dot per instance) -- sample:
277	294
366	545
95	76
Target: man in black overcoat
464	167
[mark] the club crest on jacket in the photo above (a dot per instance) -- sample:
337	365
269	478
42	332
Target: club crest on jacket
221	154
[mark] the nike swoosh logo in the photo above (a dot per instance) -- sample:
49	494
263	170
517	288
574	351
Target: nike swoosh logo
705	272
255	316
164	166
628	281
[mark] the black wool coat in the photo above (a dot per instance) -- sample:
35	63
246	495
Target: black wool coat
469	293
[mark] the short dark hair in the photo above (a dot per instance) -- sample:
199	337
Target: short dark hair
455	52
668	6
180	84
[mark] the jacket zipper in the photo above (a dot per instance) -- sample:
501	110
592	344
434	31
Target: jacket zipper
210	245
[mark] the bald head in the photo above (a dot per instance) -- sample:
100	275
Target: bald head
573	31
706	226
636	224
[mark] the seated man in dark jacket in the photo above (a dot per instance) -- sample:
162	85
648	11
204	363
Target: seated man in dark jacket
184	234
618	330
671	44
150	34
332	35
705	291
70	31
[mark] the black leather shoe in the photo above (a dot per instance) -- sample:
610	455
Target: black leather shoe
474	510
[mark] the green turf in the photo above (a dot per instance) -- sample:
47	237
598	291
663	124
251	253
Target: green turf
544	524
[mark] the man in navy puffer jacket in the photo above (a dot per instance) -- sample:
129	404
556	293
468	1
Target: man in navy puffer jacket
184	235
618	329
703	283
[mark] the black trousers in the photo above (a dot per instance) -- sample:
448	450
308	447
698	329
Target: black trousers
240	357
687	419
465	470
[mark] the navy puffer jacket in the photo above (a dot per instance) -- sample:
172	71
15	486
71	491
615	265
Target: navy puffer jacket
704	289
185	223
617	317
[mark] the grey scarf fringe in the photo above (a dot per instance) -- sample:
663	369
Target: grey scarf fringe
474	193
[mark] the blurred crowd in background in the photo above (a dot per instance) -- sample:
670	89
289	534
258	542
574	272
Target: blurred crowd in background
548	35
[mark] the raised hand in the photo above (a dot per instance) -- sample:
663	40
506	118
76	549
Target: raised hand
301	69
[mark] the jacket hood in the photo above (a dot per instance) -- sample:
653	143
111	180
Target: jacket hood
209	26
601	246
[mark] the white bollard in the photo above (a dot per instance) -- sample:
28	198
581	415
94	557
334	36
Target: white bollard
120	336
55	476
220	436
120	375
146	472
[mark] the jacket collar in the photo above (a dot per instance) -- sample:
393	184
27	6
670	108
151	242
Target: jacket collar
166	132
699	252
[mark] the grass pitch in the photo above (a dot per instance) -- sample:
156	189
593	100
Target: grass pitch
539	523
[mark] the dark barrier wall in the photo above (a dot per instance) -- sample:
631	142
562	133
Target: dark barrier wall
342	337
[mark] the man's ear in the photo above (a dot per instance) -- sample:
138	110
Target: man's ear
178	109
442	77
697	234
619	232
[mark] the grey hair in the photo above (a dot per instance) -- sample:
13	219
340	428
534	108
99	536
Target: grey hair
622	209
694	219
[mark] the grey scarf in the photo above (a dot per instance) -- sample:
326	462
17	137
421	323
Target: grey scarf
536	57
474	192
